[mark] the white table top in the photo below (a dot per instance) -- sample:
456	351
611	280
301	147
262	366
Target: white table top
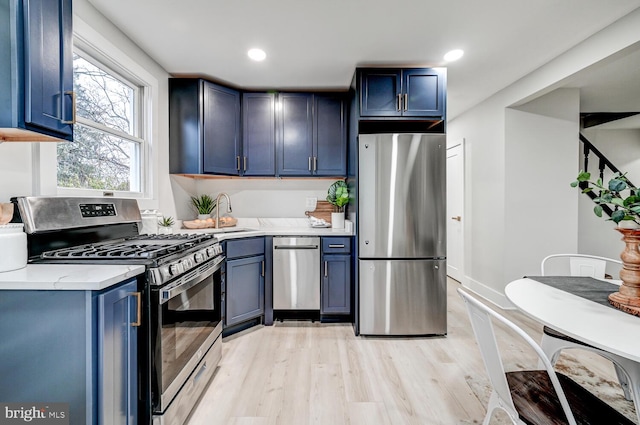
596	324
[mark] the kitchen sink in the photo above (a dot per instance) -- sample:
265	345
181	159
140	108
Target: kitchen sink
229	230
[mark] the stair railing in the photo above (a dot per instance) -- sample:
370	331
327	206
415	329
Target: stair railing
603	164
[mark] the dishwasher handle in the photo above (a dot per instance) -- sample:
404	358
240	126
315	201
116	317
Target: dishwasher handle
296	247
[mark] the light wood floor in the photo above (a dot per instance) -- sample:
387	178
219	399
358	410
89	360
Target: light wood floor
297	373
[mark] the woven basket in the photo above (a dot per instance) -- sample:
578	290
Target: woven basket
323	210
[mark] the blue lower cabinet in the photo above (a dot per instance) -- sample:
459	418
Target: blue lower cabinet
244	282
117	355
244	289
73	347
336	285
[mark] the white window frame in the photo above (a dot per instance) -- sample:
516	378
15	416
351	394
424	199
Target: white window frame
96	49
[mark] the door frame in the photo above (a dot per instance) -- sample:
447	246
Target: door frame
450	145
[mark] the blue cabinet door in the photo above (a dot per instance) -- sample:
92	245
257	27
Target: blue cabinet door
295	134
423	92
118	355
221	129
336	284
244	289
258	134
48	67
380	91
403	93
330	135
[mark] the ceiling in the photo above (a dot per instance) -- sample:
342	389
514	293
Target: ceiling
318	44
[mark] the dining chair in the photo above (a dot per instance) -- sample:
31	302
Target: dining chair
540	397
553	341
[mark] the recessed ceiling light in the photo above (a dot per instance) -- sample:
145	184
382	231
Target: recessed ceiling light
257	54
453	55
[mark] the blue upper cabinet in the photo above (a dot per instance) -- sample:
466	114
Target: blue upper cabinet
380	92
312	134
258	134
204	128
221	130
403	93
295	134
36	70
330	135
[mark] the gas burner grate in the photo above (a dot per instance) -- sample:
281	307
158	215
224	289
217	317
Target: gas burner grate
114	251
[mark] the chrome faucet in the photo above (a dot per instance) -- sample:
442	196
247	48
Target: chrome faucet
218	207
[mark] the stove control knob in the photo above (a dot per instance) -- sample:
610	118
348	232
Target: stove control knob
211	252
175	269
199	257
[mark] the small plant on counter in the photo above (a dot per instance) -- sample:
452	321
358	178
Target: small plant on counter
166	222
338	195
204	204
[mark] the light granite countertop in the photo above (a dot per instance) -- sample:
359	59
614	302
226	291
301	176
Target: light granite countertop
69	277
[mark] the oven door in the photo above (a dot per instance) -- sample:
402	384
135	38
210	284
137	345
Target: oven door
185	322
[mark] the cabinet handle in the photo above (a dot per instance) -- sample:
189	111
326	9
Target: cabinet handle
326	265
238	163
399	102
138	296
245	164
336	245
406	101
315	163
309	163
262	268
73	106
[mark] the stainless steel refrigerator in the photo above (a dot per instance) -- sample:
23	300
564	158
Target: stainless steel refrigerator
401	234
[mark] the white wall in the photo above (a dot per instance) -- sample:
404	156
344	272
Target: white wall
540	152
484	129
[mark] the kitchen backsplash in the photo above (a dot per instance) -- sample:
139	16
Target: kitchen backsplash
251	197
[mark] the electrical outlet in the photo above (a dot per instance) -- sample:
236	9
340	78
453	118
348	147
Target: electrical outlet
310	204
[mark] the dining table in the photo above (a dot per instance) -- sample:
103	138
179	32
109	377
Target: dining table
578	307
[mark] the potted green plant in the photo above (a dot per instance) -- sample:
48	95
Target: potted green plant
165	225
204	205
338	196
623	199
619	195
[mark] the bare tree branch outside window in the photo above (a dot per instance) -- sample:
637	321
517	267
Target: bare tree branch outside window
102	156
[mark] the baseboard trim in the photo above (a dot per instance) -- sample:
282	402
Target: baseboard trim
488	293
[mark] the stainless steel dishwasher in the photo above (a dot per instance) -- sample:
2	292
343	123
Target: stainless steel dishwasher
296	273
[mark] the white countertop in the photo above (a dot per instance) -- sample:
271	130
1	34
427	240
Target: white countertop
248	227
70	277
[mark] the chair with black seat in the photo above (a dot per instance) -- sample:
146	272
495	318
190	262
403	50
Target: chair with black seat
532	397
553	341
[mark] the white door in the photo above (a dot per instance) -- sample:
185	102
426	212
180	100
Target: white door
455	206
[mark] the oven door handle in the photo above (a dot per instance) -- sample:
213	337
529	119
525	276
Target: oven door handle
181	286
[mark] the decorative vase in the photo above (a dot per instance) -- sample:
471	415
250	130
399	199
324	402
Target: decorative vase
203	216
337	220
627	298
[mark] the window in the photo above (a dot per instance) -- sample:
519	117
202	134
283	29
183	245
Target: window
108	150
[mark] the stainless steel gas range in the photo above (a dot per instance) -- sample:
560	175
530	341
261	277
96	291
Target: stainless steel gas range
180	337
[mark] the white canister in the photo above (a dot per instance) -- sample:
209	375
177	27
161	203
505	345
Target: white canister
13	247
